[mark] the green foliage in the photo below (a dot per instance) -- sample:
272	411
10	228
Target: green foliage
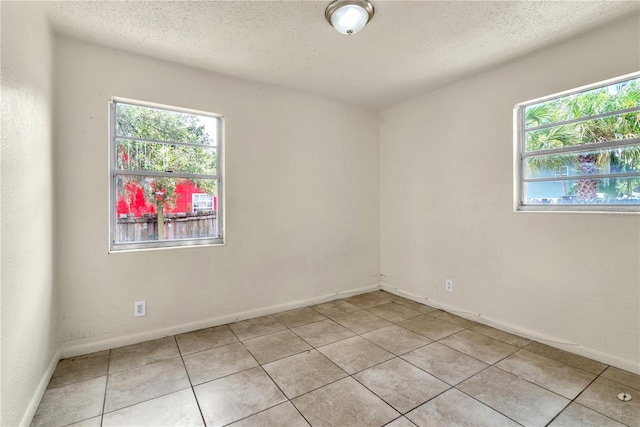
586	104
150	123
612	128
166	156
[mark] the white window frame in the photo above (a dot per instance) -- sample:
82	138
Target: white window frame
520	155
195	206
114	173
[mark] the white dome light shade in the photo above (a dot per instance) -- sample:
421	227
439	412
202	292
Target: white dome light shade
349	19
349	16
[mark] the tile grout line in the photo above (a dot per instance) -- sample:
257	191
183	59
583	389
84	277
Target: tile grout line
143	366
312	347
493	365
106	385
403	414
518	349
574	400
451	387
489	365
348	375
564	363
479	401
482	403
288	400
570	400
395	356
543	387
193	392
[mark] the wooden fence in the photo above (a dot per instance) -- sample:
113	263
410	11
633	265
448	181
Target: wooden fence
178	226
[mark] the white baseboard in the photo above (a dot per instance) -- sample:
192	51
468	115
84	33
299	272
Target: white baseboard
576	348
42	387
92	347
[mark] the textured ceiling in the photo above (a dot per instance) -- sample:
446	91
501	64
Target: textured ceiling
407	49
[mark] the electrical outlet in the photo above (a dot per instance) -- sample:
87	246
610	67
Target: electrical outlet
448	285
139	308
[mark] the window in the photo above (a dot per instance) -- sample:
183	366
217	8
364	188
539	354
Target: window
166	179
581	150
202	202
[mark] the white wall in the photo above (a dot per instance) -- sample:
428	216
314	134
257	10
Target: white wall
302	203
29	303
446	209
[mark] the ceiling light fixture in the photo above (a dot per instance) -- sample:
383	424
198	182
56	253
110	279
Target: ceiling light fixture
349	16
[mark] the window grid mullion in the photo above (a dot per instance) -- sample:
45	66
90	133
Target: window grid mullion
583	119
579	177
584	147
158	141
142	172
521	147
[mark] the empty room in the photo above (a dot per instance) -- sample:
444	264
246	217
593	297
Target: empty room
320	213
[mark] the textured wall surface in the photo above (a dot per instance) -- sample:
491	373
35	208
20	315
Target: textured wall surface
301	200
447	209
29	304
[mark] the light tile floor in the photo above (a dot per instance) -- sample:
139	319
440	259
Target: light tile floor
370	360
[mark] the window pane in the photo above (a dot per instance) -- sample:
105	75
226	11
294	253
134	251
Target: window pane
618	96
606	161
583	191
158	157
612	128
152	123
141	201
605	170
